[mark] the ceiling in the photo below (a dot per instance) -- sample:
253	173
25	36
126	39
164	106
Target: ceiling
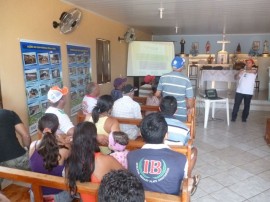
192	17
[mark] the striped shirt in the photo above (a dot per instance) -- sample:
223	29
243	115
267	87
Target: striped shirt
178	85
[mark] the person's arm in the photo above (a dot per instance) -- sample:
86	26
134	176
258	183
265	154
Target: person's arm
237	75
158	93
24	134
190	103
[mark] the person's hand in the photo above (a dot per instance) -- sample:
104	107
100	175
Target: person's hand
103	140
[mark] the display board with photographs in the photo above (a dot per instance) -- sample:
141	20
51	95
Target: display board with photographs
42	69
79	64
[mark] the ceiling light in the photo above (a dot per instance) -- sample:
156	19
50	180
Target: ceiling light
161	12
176	29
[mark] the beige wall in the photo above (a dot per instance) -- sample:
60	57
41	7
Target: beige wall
32	20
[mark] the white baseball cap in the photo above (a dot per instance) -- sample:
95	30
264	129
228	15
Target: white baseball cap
55	93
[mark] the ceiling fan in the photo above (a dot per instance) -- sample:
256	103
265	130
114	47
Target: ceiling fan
68	21
128	36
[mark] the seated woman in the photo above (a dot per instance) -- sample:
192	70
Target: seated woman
105	124
48	156
86	163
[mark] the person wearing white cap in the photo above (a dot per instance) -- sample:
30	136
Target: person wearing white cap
57	99
178	85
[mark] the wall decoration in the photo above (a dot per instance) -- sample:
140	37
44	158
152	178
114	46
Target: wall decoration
40	62
79	65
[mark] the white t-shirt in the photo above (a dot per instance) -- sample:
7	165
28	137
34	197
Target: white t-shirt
126	107
64	121
88	104
246	83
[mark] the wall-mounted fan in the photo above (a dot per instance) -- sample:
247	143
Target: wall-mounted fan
68	20
128	36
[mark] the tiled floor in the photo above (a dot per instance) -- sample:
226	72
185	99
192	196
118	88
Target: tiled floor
234	161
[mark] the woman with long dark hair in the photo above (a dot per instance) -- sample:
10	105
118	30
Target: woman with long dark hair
104	122
48	156
85	162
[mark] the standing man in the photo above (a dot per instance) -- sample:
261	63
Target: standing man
57	99
12	153
126	107
90	98
178	85
246	81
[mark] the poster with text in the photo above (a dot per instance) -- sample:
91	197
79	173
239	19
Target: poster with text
79	65
42	66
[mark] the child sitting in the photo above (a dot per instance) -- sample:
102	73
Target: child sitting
117	143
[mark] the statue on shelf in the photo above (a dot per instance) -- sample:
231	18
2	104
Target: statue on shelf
207	47
182	43
238	48
266	47
210	59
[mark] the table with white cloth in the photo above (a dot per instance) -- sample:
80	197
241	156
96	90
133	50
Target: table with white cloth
217	75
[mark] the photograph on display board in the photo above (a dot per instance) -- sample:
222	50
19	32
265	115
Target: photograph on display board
71	58
54	58
44	88
30	75
44	74
55	73
32	92
43	58
29	58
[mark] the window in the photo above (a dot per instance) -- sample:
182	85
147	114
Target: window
103	61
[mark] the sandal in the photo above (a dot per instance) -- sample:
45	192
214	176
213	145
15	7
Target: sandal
196	180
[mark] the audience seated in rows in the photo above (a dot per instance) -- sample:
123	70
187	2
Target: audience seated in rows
48	156
120	185
86	163
118	84
12	154
118	141
104	122
90	98
126	107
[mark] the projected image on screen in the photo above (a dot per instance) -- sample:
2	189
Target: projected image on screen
149	57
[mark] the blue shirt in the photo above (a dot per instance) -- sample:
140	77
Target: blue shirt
178	85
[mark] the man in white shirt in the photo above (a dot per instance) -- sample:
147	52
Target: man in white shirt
246	81
90	98
57	99
126	107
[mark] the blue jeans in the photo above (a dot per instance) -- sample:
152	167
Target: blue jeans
237	102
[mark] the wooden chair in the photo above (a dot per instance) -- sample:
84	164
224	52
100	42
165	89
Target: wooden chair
140	100
37	180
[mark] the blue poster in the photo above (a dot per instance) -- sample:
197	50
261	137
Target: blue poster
79	65
42	66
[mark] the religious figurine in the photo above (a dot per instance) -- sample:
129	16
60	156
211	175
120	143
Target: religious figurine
210	59
182	43
265	46
238	49
207	47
